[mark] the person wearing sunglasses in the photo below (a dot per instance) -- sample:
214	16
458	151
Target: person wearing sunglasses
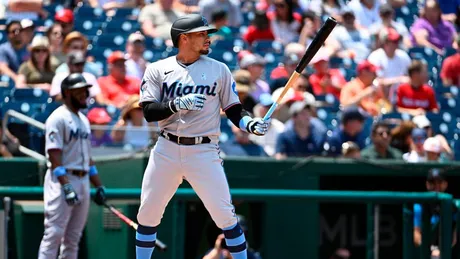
380	147
55	36
13	52
417	153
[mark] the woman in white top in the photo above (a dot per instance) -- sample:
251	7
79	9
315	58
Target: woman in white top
417	153
285	22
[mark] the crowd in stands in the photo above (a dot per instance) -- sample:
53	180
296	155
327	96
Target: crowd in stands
384	84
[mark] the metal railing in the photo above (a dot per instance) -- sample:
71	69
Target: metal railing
371	198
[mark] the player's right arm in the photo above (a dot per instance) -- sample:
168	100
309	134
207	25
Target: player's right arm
54	144
154	108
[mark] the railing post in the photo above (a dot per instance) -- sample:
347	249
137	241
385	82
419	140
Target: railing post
457	215
370	231
446	228
408	232
425	247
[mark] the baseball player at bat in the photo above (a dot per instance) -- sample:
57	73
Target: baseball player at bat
70	169
185	93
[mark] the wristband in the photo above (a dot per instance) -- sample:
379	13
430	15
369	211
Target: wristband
92	170
244	123
59	171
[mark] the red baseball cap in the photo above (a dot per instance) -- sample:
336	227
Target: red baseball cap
98	115
366	65
64	15
116	56
390	34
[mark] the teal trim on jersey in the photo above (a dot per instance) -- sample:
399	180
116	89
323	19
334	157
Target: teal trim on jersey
93	170
59	171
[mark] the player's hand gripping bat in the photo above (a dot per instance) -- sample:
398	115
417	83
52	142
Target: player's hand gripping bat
312	49
133	224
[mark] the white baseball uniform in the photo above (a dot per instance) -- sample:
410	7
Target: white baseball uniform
64	224
199	164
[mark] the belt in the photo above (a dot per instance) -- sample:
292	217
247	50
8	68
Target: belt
185	140
79	173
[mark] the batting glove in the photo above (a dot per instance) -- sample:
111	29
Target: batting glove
71	196
190	102
100	198
256	126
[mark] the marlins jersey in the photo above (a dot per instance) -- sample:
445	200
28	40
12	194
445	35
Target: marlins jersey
167	79
70	133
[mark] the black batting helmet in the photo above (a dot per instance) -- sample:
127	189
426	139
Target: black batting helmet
189	23
74	81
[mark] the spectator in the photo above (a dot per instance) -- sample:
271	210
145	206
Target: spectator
433	149
244	87
117	87
135	133
39	71
110	5
380	147
387	14
135	63
363	93
76	62
312	23
99	117
422	122
13	52
416	97
366	12
351	150
431	31
331	7
241	145
293	95
450	71
417	152
9	145
65	18
28	31
75	41
401	136
56	39
351	129
231	7
25	9
326	80
302	138
285	22
349	40
255	64
156	19
259	29
293	52
267	141
219	19
391	61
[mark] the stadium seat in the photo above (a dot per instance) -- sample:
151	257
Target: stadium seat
267	46
53	8
25	108
121	26
3	37
31	95
111	41
227	57
88	13
88	27
155	44
235	45
127	14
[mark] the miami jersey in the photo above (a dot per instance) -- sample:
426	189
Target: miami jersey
70	133
167	79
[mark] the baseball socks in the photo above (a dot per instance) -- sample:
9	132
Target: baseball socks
236	242
145	241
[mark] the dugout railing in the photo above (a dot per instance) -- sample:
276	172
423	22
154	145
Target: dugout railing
373	199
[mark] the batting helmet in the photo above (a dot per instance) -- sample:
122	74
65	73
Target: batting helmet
74	81
189	23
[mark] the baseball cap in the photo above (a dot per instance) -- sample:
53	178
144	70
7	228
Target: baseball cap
266	99
243	80
64	16
386	9
347	10
319	57
40	41
27	23
76	57
419	135
136	36
432	144
298	106
291	59
116	56
252	59
366	65
389	34
435	174
351	113
99	115
421	121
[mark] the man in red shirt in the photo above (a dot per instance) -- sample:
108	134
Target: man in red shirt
117	87
450	71
416	97
326	80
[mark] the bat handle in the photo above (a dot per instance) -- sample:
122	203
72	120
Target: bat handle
269	113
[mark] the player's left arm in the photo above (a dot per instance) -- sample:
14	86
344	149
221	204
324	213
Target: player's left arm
99	198
232	107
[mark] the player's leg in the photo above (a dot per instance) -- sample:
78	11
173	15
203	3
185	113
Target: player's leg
206	175
78	217
57	214
161	179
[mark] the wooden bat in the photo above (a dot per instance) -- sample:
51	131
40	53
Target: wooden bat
133	224
311	51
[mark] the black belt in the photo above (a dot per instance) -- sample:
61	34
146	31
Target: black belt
79	173
185	140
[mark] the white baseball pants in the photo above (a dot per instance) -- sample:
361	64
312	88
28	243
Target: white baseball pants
63	223
201	166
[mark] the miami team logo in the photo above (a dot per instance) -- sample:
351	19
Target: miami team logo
143	85
205	22
234	87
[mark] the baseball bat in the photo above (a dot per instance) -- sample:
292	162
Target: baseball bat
133	224
311	51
